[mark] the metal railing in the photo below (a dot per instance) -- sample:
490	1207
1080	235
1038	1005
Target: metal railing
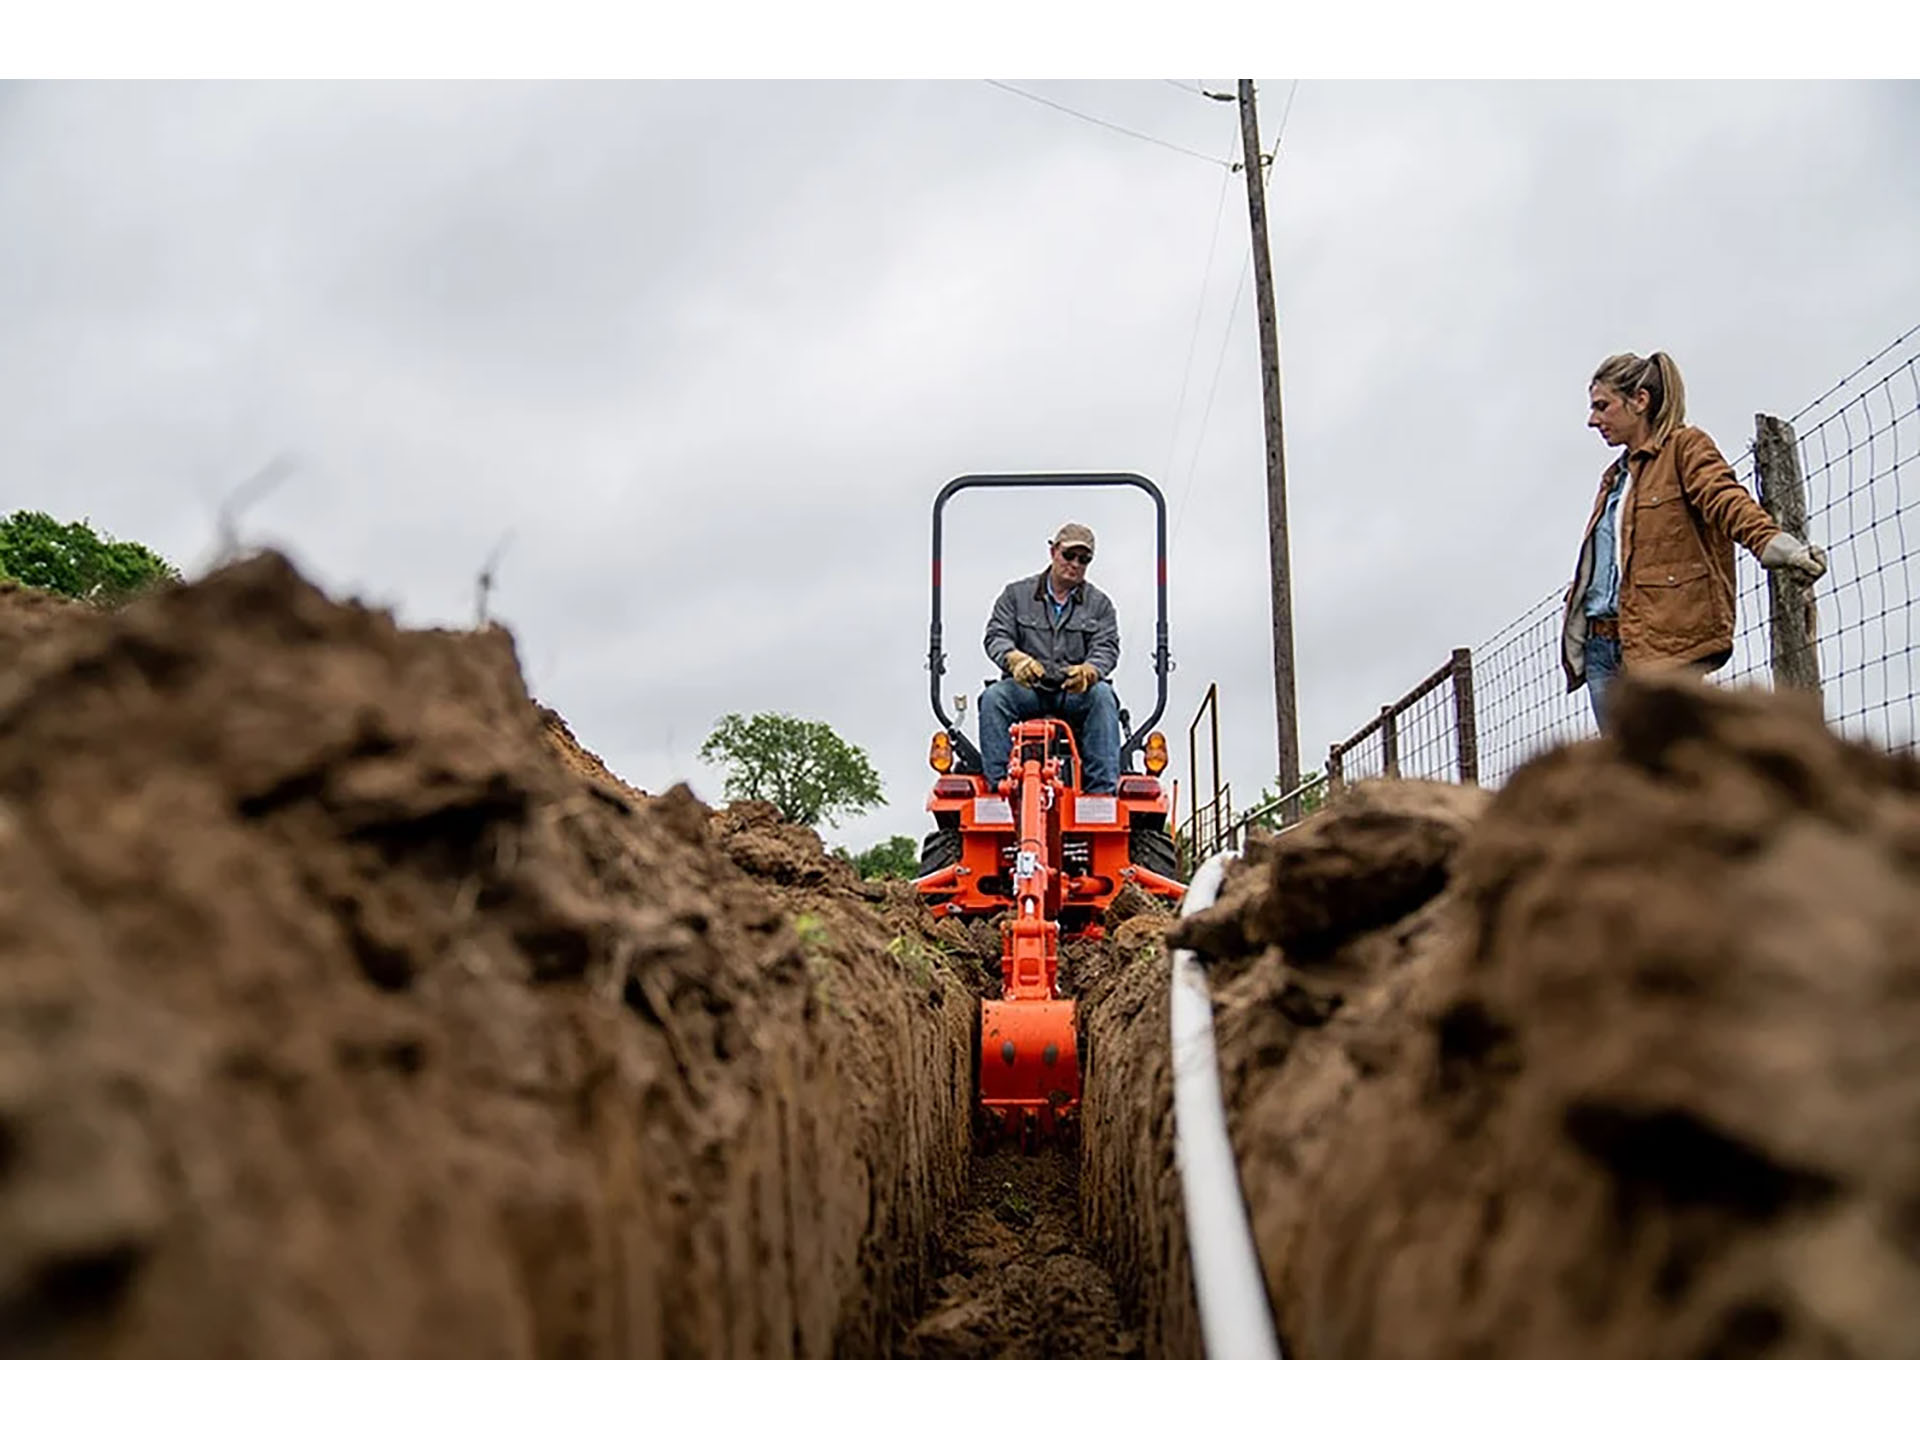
1430	732
1206	824
1288	810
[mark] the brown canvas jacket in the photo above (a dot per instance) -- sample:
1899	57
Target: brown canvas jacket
1684	514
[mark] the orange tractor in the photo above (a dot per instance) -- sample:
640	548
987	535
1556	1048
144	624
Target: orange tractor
1041	854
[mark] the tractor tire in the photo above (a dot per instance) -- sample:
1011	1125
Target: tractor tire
1153	850
940	849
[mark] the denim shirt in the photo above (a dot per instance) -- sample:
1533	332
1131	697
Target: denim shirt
1603	592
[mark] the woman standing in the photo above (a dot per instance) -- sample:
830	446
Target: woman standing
1654	582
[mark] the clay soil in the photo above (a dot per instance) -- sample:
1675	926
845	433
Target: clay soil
1623	1061
1017	1277
349	1007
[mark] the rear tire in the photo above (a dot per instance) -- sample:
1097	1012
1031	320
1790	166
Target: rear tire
1153	850
940	849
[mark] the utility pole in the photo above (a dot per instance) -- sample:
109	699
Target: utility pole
1285	714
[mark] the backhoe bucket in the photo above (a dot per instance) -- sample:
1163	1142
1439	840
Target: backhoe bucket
1029	1065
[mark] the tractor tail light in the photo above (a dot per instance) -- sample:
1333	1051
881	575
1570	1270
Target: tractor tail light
940	756
1139	787
1156	753
950	787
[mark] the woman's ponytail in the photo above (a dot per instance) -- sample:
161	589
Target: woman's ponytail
1659	376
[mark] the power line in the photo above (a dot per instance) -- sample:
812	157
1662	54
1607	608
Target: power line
1199	443
1279	132
1104	124
1285	111
1199	313
1193	466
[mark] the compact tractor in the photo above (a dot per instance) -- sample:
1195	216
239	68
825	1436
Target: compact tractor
1043	856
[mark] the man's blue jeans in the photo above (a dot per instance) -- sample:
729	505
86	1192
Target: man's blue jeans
1094	715
1603	667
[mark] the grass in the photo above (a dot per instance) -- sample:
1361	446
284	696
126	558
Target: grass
813	936
913	956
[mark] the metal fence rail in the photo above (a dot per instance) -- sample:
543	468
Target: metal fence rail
1524	704
1430	732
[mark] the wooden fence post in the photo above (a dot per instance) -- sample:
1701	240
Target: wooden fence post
1336	779
1389	741
1466	732
1793	620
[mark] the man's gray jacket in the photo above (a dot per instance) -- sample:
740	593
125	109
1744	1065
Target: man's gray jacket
1087	632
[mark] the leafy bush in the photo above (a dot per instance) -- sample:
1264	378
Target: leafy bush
895	858
76	561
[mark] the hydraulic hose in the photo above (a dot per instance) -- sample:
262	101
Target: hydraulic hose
1236	1322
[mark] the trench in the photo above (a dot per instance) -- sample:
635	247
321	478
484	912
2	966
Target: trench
1075	1251
348	1007
1015	1276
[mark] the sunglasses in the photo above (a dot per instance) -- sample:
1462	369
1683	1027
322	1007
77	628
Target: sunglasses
1077	557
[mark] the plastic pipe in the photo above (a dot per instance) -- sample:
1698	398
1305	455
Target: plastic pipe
1235	1320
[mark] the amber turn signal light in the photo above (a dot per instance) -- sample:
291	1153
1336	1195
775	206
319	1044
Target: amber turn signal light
1155	756
940	756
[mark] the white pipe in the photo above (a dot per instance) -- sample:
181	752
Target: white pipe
1235	1320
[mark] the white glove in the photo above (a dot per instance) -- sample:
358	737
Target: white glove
1785	552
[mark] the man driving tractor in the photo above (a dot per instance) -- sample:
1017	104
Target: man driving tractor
1057	637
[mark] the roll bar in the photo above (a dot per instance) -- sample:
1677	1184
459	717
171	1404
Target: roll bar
1162	660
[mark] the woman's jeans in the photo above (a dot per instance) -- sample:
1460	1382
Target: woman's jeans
1603	666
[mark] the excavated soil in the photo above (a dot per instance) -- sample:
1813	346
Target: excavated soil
580	760
340	1016
350	1006
1623	1061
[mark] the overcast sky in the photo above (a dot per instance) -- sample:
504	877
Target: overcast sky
707	351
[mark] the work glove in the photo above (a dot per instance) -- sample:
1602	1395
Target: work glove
1079	678
1799	559
1024	668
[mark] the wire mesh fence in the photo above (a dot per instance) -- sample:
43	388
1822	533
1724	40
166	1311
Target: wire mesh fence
1859	459
1860	455
1521	692
1428	733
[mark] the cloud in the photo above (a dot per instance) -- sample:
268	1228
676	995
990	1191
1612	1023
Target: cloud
707	351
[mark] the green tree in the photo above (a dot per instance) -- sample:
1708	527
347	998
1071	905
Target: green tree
805	770
74	560
1313	795
894	858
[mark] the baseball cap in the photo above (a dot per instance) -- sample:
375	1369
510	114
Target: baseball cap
1074	534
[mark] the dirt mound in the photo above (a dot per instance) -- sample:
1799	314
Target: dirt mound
338	1017
580	760
1632	1070
28	616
